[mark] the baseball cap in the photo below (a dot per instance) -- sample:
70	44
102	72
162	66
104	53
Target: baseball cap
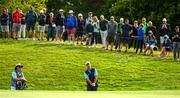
19	65
87	62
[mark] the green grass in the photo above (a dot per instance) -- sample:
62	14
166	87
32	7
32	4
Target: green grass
100	94
50	66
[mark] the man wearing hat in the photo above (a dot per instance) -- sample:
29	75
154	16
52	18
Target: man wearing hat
18	81
91	76
71	26
60	28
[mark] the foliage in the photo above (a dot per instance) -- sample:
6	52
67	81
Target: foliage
23	4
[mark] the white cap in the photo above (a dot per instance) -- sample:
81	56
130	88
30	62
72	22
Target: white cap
71	12
121	19
87	62
41	11
80	15
61	10
164	19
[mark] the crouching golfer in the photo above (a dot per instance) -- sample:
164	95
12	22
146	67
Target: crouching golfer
91	76
18	81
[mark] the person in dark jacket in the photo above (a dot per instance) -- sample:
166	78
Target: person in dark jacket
80	29
4	21
165	51
52	27
165	29
176	44
42	22
91	76
60	28
31	18
89	30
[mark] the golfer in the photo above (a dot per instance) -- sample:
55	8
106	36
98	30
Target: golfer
91	76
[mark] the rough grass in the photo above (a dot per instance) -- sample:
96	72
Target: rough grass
50	66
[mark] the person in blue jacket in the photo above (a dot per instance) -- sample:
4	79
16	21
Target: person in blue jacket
31	19
71	25
140	38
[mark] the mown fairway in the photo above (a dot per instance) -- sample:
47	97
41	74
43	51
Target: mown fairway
50	66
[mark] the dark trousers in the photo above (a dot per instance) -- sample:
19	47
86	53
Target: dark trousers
92	88
95	38
132	42
176	50
117	41
139	45
51	33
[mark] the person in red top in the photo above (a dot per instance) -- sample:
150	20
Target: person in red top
16	22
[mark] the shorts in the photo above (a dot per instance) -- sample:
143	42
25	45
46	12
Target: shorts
16	27
46	27
71	31
161	39
167	48
151	46
41	29
110	39
59	29
125	40
4	28
30	27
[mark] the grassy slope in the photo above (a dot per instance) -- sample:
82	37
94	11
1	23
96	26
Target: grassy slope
65	94
49	66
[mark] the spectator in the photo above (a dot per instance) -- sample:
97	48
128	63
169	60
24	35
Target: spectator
145	25
80	29
112	30
4	21
164	30
18	81
16	22
22	31
165	51
89	30
176	44
95	24
47	21
71	25
90	18
42	22
103	30
150	43
91	76
133	34
52	27
127	29
60	28
118	35
31	18
140	38
152	28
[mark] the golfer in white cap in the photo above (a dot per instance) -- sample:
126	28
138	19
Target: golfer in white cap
91	76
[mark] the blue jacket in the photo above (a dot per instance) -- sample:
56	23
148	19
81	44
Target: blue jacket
31	18
140	34
71	22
